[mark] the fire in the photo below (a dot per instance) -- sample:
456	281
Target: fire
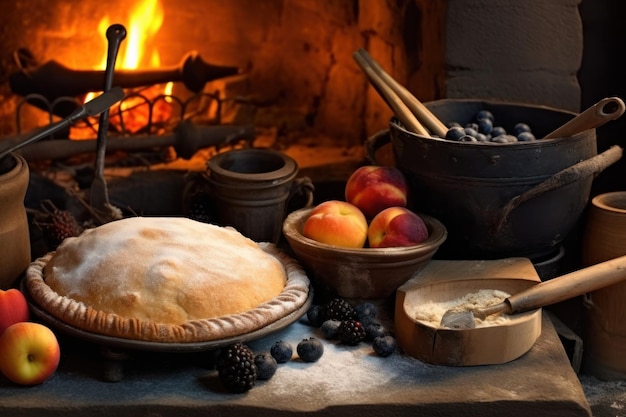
138	51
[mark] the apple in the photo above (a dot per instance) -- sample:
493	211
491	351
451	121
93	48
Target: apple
13	308
337	223
29	353
373	188
396	227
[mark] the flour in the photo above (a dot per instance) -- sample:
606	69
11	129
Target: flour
431	312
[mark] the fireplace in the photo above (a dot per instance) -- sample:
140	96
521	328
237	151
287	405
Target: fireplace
296	75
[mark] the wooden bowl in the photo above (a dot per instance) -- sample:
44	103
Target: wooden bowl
366	273
443	281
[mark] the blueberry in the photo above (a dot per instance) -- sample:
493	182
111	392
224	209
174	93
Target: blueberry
485	126
504	139
365	310
384	346
481	137
454	124
315	315
520	127
467	138
455	133
329	329
484	114
497	131
473	126
471	132
281	351
310	350
525	137
374	330
265	366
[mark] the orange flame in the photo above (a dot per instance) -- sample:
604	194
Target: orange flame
138	51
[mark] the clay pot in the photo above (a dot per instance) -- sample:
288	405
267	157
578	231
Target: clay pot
252	188
14	234
604	325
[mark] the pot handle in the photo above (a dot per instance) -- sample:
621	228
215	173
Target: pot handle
374	143
592	166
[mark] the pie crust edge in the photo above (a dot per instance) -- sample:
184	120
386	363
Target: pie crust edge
83	317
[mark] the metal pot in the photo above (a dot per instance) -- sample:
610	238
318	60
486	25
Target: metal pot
492	197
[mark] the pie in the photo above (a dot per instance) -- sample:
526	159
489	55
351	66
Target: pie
167	279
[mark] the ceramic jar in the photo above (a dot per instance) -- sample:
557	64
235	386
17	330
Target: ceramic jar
14	234
604	333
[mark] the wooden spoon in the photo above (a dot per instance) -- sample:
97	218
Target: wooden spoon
548	292
605	110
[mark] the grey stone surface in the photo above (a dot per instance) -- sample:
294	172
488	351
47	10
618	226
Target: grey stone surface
346	381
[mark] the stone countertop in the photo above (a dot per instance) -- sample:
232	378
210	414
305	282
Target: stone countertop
346	381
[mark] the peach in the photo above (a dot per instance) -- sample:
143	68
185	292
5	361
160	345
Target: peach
13	308
337	223
396	227
374	188
29	353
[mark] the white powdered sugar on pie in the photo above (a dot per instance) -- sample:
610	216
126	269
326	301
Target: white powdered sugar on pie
167	279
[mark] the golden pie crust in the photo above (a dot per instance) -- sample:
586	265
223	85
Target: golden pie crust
167	279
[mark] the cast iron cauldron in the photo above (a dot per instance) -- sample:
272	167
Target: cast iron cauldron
467	185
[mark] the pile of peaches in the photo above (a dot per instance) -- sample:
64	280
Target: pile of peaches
374	213
29	351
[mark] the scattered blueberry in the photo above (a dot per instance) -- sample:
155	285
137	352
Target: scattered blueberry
265	366
384	346
281	351
329	329
374	330
315	315
364	311
310	350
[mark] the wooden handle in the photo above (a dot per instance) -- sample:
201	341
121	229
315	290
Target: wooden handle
603	111
570	285
399	108
429	120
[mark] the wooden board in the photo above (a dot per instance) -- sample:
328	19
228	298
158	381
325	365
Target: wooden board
447	280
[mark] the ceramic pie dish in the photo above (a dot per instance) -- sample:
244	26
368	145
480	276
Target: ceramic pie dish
72	313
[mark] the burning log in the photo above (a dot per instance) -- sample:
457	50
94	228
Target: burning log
53	80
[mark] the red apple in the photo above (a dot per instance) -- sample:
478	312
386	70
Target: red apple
396	227
374	188
29	353
337	223
13	308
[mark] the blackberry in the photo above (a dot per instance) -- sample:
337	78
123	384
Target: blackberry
339	309
315	315
265	366
281	351
236	368
384	346
351	332
330	328
310	350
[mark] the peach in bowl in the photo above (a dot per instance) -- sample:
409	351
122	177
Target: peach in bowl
360	273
